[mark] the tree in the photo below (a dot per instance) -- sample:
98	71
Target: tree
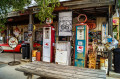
46	7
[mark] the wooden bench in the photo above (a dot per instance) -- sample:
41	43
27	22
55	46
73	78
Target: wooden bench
55	71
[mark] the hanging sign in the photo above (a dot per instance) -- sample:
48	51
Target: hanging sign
16	32
115	20
29	34
65	23
13	42
30	27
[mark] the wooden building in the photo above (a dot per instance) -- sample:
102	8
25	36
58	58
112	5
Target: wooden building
97	11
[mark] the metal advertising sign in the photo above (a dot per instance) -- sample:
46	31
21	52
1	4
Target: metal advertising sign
13	42
29	34
16	32
115	20
65	23
30	27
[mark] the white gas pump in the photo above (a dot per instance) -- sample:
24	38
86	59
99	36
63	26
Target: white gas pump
48	43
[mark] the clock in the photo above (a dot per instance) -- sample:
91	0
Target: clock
13	42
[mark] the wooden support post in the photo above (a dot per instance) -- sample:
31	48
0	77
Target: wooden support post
110	33
118	32
30	31
29	76
109	61
7	34
110	26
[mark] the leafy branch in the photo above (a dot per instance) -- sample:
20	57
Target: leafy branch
46	7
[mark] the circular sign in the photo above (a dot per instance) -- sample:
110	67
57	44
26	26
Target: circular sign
78	18
13	42
49	21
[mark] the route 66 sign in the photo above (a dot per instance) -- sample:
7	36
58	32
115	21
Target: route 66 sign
13	42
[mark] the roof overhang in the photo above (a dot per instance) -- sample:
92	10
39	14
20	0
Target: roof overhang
77	4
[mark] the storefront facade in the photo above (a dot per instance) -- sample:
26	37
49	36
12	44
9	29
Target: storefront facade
99	20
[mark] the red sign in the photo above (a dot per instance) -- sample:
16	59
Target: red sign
46	44
80	49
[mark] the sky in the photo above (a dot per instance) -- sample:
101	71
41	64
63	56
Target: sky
63	0
34	3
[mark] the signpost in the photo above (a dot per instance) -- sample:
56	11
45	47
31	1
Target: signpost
13	42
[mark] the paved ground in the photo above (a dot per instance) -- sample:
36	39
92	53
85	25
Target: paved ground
8	57
9	72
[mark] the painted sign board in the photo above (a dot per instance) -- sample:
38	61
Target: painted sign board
115	20
65	23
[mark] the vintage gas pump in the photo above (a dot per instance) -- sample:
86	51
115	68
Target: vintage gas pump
48	42
81	43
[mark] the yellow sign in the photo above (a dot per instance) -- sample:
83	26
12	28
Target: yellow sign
115	20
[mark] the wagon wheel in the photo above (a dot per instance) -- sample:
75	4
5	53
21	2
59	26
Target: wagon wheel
1	49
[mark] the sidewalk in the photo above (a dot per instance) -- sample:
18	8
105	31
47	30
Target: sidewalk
9	72
8	57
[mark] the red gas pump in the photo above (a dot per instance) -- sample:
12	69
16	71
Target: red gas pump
48	43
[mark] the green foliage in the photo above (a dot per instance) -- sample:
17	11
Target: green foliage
46	8
7	6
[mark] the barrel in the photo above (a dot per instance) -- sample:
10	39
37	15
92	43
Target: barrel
38	56
102	62
34	55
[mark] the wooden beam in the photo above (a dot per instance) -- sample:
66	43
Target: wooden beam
84	2
88	5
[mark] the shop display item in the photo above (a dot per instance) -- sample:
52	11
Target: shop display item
95	35
92	56
92	60
104	64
